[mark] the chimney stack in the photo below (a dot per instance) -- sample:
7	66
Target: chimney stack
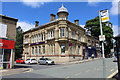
76	22
52	17
36	23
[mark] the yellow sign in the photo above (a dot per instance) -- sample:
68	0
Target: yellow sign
104	15
105	18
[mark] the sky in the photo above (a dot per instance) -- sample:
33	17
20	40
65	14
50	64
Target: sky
29	12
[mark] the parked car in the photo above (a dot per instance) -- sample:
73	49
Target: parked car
45	61
20	60
31	61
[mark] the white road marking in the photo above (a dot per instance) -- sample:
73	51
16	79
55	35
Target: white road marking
110	76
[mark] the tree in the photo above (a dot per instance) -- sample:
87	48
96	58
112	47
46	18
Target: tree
94	26
19	43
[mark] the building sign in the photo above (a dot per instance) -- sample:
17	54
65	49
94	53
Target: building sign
104	15
3	30
37	43
7	44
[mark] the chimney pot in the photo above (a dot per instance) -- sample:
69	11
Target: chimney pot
36	23
52	17
76	22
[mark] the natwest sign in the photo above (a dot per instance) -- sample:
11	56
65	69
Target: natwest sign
7	44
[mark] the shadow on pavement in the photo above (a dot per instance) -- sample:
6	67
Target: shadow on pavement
22	66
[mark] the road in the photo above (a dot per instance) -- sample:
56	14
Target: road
92	69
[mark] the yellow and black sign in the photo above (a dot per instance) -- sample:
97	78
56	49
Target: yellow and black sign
104	15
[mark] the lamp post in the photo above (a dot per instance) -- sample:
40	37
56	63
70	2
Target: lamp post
117	38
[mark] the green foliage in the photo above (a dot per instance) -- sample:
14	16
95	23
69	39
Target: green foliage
94	26
19	43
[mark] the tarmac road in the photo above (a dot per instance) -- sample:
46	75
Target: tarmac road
92	69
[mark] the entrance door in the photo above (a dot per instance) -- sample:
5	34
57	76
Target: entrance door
63	49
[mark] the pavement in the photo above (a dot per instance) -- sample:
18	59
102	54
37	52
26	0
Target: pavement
5	72
81	61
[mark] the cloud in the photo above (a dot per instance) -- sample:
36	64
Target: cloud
115	30
93	2
25	25
35	3
82	26
114	9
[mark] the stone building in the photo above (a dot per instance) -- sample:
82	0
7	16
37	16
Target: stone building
60	39
7	41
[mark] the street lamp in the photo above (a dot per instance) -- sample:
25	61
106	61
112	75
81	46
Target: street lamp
117	38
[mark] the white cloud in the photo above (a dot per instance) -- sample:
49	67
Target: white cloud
93	2
82	26
115	30
25	25
114	9
35	3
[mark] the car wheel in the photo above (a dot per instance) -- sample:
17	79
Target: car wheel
29	63
46	63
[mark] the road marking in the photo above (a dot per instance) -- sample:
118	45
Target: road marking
110	76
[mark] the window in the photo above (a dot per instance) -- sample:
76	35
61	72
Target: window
63	49
50	34
79	37
43	49
42	37
3	30
36	51
73	34
32	39
39	49
32	50
62	32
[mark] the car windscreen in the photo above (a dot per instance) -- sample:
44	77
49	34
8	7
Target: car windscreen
33	59
27	59
42	59
47	59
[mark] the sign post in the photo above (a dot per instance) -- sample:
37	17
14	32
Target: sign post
101	31
103	17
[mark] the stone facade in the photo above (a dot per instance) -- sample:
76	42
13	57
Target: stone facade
60	39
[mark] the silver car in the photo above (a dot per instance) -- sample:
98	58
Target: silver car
45	61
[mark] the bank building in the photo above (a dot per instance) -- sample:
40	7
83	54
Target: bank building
60	39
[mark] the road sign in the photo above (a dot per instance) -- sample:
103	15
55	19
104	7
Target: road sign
104	15
102	38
